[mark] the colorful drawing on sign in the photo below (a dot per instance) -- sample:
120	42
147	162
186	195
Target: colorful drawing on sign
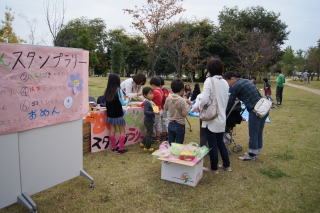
34	84
185	177
134	128
75	83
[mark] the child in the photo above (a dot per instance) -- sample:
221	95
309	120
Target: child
115	112
178	111
163	113
196	91
187	91
267	90
149	118
157	99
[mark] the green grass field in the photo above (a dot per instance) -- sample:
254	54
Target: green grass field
285	178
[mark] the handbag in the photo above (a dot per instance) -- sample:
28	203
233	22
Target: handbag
210	112
123	101
262	107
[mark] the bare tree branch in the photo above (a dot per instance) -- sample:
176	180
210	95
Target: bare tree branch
253	51
54	17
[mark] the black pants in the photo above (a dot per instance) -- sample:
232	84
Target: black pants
203	135
279	94
147	141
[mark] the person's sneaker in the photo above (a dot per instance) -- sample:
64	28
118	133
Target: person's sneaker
247	157
208	169
115	149
157	140
228	169
149	150
256	156
122	151
141	145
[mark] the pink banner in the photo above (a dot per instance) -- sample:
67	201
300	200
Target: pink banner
134	130
41	86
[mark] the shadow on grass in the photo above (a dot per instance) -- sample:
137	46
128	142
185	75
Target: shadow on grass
272	172
284	156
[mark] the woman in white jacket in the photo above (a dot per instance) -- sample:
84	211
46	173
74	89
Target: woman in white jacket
132	87
216	127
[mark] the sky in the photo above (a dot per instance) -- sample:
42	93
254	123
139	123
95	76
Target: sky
302	17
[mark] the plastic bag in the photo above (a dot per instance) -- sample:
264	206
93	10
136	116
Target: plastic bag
175	149
164	151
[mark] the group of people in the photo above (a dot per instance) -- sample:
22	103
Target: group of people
165	111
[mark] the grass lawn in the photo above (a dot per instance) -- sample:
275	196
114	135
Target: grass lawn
285	178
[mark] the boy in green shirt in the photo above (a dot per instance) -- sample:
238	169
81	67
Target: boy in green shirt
280	81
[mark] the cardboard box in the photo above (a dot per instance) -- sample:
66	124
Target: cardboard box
180	171
86	136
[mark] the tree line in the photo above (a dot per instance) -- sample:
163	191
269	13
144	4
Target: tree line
247	41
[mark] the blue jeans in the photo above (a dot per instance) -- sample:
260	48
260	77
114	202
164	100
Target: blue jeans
215	141
176	132
256	126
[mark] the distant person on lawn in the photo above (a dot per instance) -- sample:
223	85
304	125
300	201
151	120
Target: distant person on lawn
279	90
305	77
267	90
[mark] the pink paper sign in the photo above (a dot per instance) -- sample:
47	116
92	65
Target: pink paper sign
134	129
41	86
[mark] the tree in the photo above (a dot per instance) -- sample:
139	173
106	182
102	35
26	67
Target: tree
207	30
133	51
137	58
103	66
151	19
96	27
254	18
117	49
32	27
54	17
117	57
234	22
180	47
300	59
81	30
252	51
313	58
84	42
289	61
6	31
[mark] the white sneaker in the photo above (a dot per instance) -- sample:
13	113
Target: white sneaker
247	157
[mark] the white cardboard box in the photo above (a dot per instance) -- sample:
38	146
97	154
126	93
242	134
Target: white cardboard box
180	171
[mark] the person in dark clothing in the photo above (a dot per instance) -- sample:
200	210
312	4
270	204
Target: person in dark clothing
101	101
149	119
246	91
196	91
